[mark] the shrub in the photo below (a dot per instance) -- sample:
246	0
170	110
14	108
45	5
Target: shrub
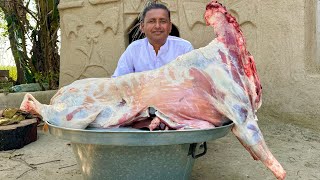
12	71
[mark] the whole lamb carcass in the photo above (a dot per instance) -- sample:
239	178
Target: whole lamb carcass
202	89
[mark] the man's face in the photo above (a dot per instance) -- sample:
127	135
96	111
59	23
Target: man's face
156	26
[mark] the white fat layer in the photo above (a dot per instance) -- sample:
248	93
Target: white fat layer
116	90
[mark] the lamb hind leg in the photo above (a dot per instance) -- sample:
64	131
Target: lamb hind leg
269	160
254	142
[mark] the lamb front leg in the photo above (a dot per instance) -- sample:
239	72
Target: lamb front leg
252	139
30	104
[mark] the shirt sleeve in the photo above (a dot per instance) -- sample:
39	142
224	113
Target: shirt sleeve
188	48
125	65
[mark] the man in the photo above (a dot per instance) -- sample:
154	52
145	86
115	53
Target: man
158	48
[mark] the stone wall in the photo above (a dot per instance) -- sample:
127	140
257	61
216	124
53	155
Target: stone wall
94	33
13	100
285	50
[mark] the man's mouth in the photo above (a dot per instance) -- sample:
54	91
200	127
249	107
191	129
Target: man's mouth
157	32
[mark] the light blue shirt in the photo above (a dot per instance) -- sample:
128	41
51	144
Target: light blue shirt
140	55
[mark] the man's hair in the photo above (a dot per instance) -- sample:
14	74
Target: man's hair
154	6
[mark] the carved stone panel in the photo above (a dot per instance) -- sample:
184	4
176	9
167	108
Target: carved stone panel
172	5
192	24
67	4
133	6
90	39
317	17
136	6
101	1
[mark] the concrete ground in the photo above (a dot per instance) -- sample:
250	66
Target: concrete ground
296	148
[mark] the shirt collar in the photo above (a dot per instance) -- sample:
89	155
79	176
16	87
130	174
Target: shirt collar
163	48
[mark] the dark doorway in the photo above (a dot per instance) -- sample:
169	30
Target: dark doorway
135	34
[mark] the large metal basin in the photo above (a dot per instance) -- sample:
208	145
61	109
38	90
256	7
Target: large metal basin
126	153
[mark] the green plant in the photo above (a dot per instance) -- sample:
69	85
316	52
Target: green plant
12	71
36	22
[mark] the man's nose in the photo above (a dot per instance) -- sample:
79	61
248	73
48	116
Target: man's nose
157	24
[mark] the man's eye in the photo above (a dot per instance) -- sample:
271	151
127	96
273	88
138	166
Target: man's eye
151	21
163	21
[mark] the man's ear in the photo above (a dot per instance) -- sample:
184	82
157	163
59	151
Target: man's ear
170	28
141	27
